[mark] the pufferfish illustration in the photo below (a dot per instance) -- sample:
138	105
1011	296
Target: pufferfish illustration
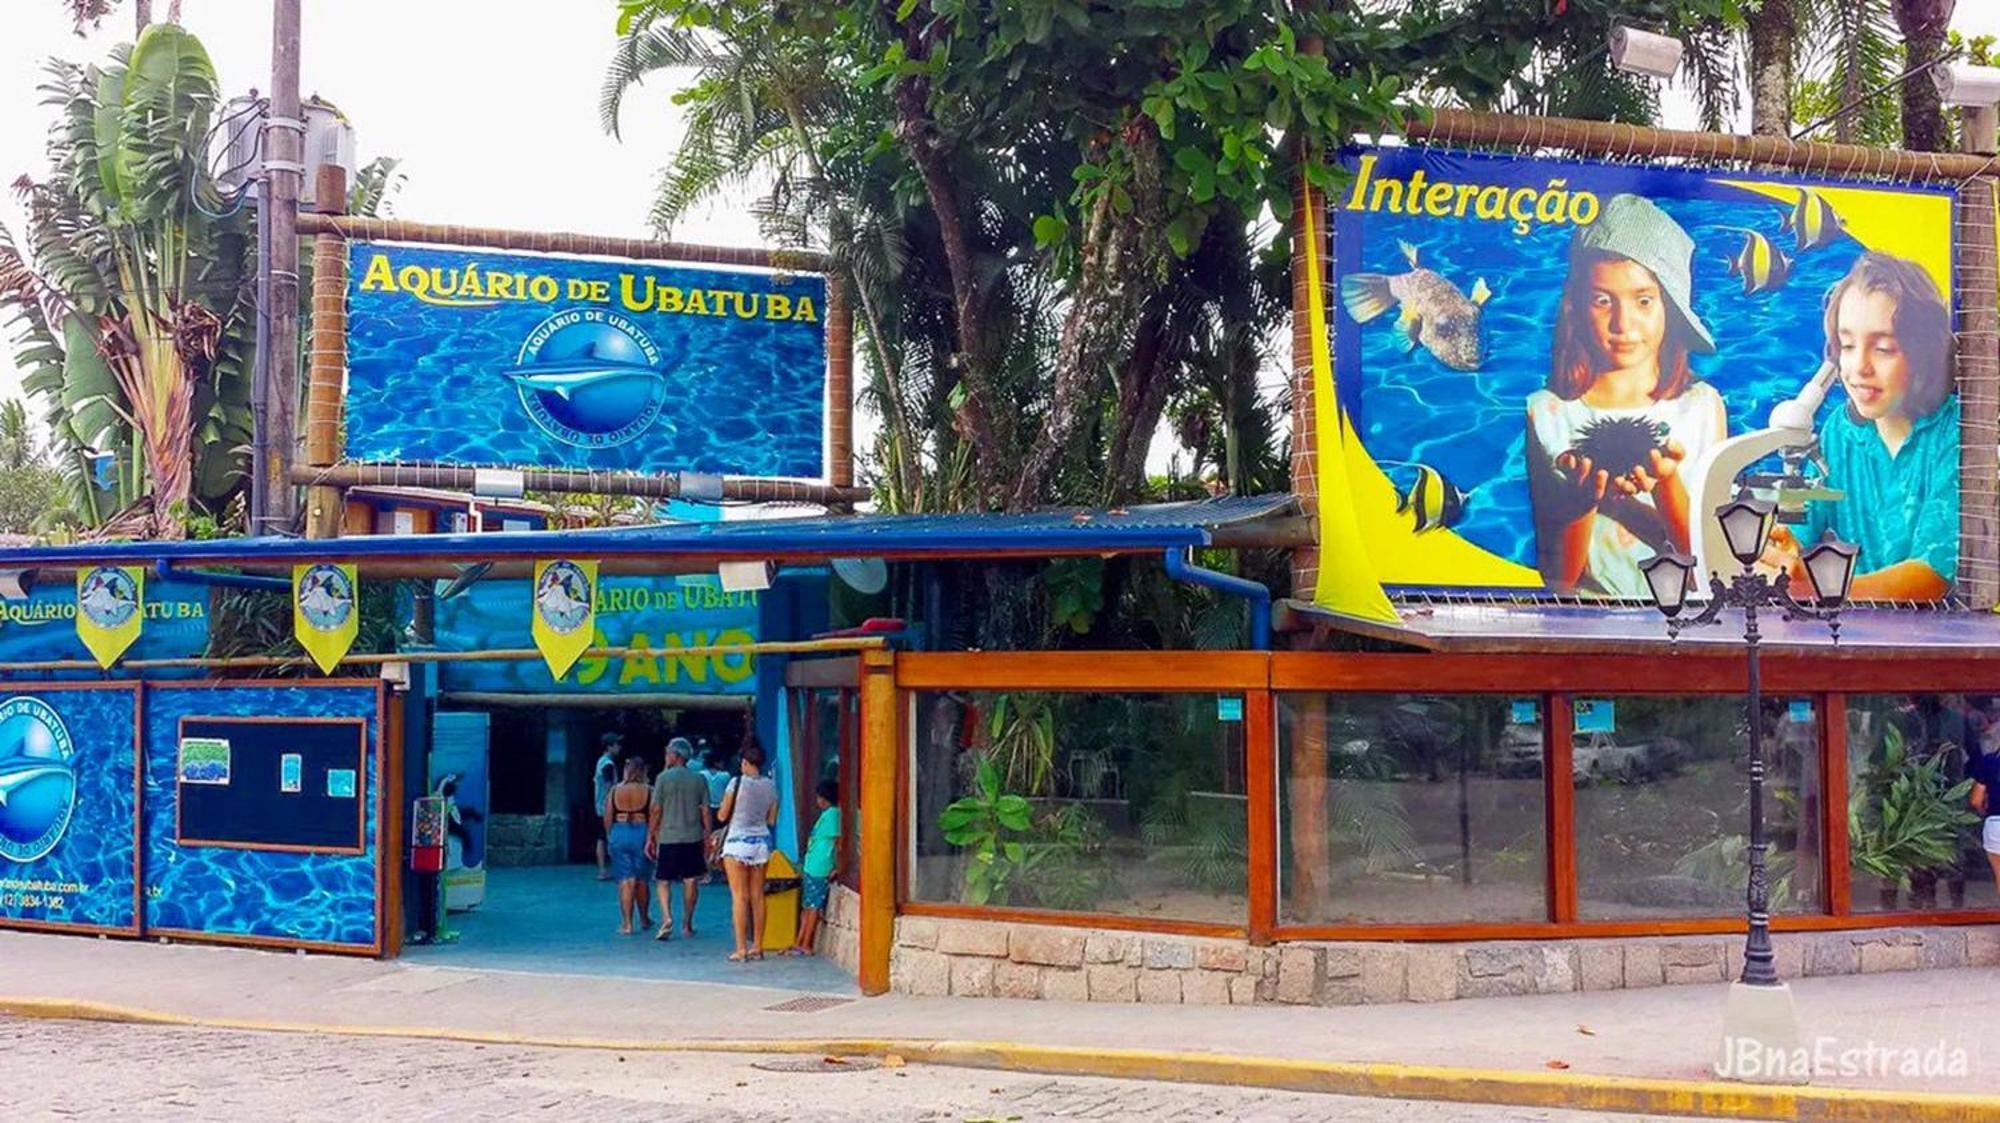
1762	265
1433	500
1616	445
1434	312
1813	220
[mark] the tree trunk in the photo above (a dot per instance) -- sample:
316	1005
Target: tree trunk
142	15
1114	277
1772	31
1142	396
1923	24
919	136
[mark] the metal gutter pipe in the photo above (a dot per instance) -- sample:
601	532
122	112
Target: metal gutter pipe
1181	567
168	571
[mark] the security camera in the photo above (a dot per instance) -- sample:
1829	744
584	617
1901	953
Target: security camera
1644	53
1963	84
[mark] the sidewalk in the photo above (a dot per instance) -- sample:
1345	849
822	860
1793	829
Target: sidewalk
1666	1033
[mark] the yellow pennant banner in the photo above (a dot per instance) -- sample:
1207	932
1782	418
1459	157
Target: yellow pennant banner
110	607
326	611
565	611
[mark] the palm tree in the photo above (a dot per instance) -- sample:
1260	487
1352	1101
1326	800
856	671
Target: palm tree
17	440
1924	24
133	289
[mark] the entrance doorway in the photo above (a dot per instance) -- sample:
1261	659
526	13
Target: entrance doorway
542	907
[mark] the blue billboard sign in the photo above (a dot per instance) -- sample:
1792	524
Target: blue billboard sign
69	808
470	357
648	612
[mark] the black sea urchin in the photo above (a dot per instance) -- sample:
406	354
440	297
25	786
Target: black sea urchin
1619	444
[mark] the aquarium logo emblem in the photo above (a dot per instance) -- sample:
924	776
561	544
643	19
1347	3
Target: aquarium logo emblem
37	779
326	597
589	378
110	597
563	597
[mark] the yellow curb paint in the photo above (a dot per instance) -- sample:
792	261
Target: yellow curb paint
1708	1099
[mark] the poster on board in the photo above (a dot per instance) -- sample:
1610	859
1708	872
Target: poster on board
68	809
1543	365
474	357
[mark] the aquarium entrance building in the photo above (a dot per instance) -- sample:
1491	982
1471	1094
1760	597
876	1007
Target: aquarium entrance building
1464	757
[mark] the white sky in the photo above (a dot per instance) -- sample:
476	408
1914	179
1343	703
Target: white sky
492	105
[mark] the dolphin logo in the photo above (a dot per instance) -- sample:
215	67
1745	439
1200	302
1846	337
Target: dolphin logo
564	377
15	775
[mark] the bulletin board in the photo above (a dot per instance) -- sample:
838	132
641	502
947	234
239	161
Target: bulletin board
272	783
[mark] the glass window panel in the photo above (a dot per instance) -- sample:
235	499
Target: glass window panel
1913	840
1663	805
1130	804
1411	809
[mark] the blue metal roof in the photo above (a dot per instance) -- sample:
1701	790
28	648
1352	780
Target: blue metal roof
1159	526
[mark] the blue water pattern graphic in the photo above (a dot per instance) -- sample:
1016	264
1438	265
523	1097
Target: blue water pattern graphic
321	898
736	395
42	626
95	853
1410	408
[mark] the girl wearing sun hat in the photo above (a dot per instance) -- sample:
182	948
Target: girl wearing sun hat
1622	410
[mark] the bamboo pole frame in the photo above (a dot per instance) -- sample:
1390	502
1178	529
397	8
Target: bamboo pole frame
332	477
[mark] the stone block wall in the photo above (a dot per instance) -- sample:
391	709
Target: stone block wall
840	928
994	959
527	840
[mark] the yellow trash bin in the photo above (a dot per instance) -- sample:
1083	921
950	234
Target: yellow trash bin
782	892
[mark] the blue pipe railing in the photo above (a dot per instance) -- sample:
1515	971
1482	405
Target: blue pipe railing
169	572
1181	567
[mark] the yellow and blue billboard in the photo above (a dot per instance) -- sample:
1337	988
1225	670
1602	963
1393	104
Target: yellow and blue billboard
470	357
1547	372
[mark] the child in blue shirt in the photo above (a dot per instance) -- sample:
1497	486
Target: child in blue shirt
822	862
1894	449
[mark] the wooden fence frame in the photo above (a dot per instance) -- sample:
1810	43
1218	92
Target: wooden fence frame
891	680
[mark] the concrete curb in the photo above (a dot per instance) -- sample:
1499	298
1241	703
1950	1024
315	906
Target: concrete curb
1708	1099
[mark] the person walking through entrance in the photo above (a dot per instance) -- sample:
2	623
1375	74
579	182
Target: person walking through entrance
603	777
678	841
627	812
750	807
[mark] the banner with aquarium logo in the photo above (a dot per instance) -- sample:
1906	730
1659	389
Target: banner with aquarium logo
650	612
530	360
1550	371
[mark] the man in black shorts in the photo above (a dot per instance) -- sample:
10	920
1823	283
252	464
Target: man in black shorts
679	837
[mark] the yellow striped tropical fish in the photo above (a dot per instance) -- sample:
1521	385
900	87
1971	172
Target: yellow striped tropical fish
1813	221
1434	500
1762	265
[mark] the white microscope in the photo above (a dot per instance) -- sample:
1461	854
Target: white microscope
1713	478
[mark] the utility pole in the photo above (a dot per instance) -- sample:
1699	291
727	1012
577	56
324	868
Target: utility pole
284	149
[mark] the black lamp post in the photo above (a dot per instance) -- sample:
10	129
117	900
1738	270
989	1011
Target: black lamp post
1746	525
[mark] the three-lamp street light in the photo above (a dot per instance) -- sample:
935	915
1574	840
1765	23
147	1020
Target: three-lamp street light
1670	581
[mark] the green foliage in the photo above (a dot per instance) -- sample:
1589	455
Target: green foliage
1013	858
1055	215
1205	841
1022	735
132	299
1907	816
1724	862
1075	590
255	622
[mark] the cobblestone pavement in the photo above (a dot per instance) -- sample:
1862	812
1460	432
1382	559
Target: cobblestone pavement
52	1070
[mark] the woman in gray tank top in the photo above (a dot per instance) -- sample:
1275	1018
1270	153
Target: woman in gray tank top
750	808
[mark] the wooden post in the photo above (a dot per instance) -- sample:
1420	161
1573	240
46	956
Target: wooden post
839	383
1306	825
1836	847
1559	739
284	151
1260	782
1977	125
325	405
881	752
